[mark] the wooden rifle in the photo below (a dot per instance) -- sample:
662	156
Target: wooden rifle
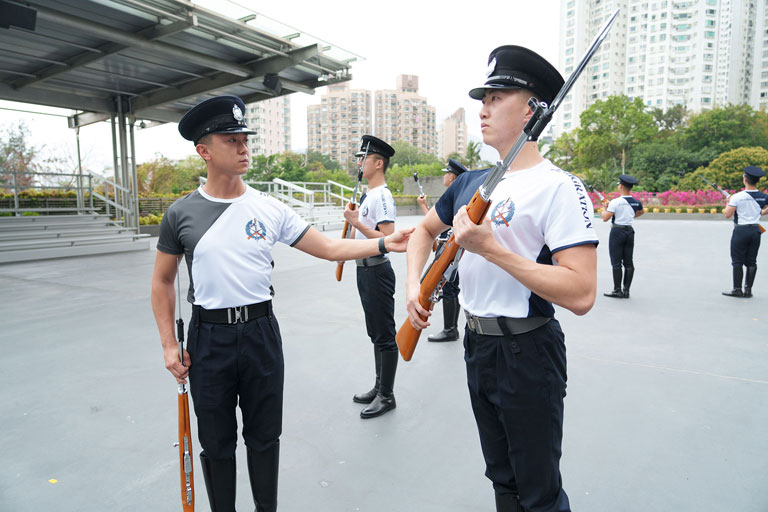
347	231
185	431
445	263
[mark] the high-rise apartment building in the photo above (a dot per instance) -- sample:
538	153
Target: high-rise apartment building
334	127
272	121
697	53
453	135
403	115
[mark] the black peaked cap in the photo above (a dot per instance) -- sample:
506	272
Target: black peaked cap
222	114
377	146
515	67
754	171
627	180
455	167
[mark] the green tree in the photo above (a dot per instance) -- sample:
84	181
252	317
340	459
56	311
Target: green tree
670	120
603	179
325	160
609	130
472	158
727	169
724	128
162	176
660	164
19	156
404	151
562	152
397	173
287	166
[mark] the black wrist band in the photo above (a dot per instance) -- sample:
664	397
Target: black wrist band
382	247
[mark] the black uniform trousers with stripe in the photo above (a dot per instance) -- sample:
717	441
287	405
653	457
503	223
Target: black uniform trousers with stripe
236	363
376	286
621	246
745	242
517	386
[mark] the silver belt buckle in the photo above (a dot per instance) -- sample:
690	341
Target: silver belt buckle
241	314
473	323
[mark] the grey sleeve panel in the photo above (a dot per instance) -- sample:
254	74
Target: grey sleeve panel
189	218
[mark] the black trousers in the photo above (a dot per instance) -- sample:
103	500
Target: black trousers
236	363
745	242
516	386
621	246
451	287
376	286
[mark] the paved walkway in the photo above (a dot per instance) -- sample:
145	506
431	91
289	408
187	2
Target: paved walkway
666	410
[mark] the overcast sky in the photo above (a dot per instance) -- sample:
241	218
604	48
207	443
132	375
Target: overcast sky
445	44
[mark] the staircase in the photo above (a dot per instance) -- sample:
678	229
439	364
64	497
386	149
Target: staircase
57	236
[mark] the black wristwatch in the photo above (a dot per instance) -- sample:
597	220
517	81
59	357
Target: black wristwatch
382	247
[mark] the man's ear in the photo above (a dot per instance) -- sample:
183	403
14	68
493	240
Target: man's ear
203	151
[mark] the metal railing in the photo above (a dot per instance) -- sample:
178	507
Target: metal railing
307	194
15	182
117	200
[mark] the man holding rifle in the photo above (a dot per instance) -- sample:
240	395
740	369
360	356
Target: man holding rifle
535	248
226	230
621	242
375	278
746	207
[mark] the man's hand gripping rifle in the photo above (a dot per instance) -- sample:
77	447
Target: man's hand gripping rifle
347	231
443	266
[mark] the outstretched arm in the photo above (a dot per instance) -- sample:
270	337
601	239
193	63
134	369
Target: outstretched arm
340	249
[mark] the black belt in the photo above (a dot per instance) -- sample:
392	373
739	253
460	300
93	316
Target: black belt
372	261
491	326
239	314
621	226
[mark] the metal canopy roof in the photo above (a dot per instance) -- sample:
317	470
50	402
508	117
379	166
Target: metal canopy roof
153	59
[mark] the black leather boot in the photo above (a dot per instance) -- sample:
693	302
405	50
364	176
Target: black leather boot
738	275
450	318
385	399
262	471
629	273
368	396
508	503
749	281
616	293
220	479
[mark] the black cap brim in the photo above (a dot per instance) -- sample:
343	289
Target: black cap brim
479	92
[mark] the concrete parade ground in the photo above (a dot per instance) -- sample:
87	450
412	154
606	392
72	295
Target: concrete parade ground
667	406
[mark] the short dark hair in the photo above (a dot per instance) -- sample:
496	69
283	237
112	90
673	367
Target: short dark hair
751	179
382	158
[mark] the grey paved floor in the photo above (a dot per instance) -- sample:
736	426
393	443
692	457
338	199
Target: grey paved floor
667	401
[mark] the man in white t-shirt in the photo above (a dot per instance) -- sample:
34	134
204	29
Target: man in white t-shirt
374	218
226	230
621	211
746	208
535	248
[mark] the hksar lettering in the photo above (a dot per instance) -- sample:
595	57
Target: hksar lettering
582	198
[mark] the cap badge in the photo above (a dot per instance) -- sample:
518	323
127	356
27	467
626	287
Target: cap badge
237	113
491	68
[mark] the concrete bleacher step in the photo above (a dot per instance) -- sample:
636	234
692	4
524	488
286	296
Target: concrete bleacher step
58	236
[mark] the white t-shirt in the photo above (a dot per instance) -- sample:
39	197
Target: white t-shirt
623	209
535	213
748	204
377	206
227	244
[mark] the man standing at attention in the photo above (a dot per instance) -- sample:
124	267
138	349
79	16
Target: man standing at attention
226	230
746	207
375	218
621	242
535	248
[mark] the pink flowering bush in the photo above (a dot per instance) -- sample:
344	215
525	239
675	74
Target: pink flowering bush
672	198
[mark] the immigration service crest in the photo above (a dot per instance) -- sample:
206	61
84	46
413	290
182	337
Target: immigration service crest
255	230
502	213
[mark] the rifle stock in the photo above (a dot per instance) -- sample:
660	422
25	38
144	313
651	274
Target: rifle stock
185	453
408	336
